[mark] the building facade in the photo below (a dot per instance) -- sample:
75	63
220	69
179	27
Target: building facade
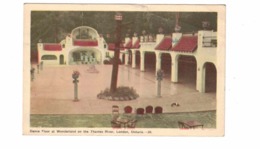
86	46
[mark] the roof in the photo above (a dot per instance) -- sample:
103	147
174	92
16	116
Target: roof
85	43
136	45
112	46
129	44
52	47
165	44
186	44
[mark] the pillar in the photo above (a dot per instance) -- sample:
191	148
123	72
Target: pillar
121	57
174	68
158	61
142	57
201	74
158	82
126	57
133	59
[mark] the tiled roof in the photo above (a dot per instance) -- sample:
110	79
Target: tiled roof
52	47
129	45
165	44
136	45
186	44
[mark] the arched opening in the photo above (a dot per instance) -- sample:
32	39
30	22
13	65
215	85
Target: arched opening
210	77
150	61
129	57
187	67
61	59
166	62
84	33
123	58
137	59
49	57
84	56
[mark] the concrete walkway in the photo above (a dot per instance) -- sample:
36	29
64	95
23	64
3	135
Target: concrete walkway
52	91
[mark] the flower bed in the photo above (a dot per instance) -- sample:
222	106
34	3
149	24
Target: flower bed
121	94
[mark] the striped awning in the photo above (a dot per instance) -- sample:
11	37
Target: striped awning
129	44
186	44
165	44
136	45
89	43
52	47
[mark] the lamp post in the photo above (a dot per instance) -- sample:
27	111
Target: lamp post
118	18
159	76
41	65
38	68
75	77
32	73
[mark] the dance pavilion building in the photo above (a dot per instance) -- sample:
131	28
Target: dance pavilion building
86	46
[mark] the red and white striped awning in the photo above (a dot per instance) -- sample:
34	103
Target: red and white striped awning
52	47
186	44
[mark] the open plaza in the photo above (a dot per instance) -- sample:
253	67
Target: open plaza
52	95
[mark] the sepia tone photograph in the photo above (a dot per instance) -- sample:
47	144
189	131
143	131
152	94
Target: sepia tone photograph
149	70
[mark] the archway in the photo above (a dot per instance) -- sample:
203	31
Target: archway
129	57
166	62
187	68
150	61
85	56
61	59
123	59
137	58
210	77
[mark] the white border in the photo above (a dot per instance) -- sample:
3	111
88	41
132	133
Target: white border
242	96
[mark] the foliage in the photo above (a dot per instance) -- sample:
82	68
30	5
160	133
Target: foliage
53	26
75	74
121	93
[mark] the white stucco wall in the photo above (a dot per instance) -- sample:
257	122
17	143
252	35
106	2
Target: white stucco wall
100	50
43	52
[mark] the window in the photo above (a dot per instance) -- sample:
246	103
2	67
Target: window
210	41
49	57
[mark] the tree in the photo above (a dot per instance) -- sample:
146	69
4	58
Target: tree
53	26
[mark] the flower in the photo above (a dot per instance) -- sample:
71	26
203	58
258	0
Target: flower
75	74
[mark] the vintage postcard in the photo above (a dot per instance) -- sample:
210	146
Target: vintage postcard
124	70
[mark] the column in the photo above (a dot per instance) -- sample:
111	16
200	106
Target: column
158	82
200	82
133	59
126	57
174	68
158	61
142	57
121	57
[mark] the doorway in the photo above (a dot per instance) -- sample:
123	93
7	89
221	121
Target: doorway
61	59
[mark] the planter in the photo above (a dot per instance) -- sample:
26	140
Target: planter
121	94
